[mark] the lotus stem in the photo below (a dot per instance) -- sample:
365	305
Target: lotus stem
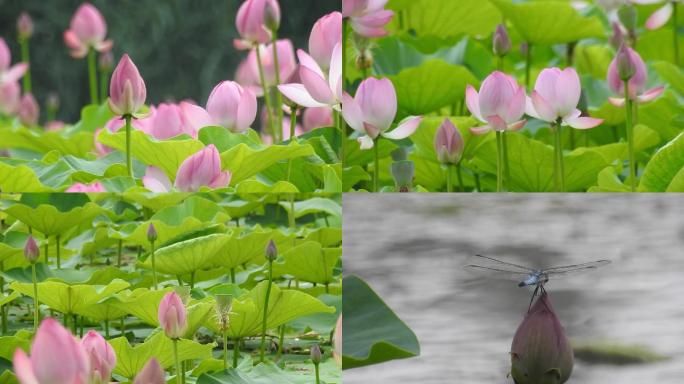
129	162
528	64
2	292
630	137
92	76
118	255
59	258
225	350
232	276
376	168
104	83
560	169
106	327
179	372
507	168
318	374
26	80
675	35
293	125
279	97
281	337
236	352
448	178
291	212
459	176
154	267
499	162
262	348
36	304
267	97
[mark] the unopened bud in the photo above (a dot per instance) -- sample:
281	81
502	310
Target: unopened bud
402	173
271	251
29	111
31	251
626	67
448	143
316	354
24	26
106	61
151	233
272	15
501	42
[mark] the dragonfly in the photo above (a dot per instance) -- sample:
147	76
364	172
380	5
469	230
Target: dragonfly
527	276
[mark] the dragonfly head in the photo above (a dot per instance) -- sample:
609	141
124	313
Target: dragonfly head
522	284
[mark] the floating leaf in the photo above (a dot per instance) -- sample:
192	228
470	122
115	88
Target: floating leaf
309	262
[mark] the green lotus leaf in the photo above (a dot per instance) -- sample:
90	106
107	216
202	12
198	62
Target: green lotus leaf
9	344
70	299
309	262
76	144
188	256
314	205
155	201
131	359
265	374
243	248
665	171
673	75
32	176
244	162
194	206
372	332
256	186
326	236
436	17
224	139
111	165
6	299
47	219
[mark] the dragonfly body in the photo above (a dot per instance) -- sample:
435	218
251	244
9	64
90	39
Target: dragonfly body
536	278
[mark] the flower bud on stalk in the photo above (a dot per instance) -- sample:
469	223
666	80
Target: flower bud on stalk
172	316
271	251
448	143
402	173
24	26
626	67
316	354
31	251
152	373
151	233
501	42
29	111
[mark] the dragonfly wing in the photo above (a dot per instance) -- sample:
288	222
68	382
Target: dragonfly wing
575	269
493	268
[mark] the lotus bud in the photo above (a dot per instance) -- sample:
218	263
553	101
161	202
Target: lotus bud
151	233
24	26
501	41
127	91
627	15
316	354
101	355
202	169
626	67
31	250
152	373
272	15
402	172
29	111
271	250
105	61
172	315
541	352
448	143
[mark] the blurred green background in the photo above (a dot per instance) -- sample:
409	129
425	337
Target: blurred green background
181	47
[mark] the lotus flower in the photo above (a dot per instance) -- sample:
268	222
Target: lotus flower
152	373
232	106
247	73
10	95
24	26
29	111
81	188
167	121
368	17
661	16
555	96
56	357
541	352
448	143
201	169
256	20
101	355
316	90
127	90
637	82
31	250
172	315
87	30
372	111
325	35
317	118
9	73
500	103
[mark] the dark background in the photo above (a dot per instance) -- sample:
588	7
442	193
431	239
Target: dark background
181	47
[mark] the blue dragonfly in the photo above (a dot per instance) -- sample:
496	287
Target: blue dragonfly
527	276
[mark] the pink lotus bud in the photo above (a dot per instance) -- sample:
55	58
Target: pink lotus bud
271	250
232	106
56	357
9	73
556	95
316	354
626	66
24	26
31	250
101	355
151	233
127	91
372	111
256	19
10	95
448	143
627	58
202	169
501	42
29	111
83	188
152	373
500	103
325	34
317	118
105	61
172	315
541	352
87	30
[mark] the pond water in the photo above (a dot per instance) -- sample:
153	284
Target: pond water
411	250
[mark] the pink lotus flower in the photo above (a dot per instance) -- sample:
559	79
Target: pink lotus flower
152	373
80	187
127	90
10	95
637	83
659	17
201	169
232	106
500	103
256	20
372	111
172	315
555	96
541	352
325	35
24	26
56	357
167	121
87	30
9	73
316	89
31	250
318	117
195	116
247	73
449	143
368	17
101	355
29	111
